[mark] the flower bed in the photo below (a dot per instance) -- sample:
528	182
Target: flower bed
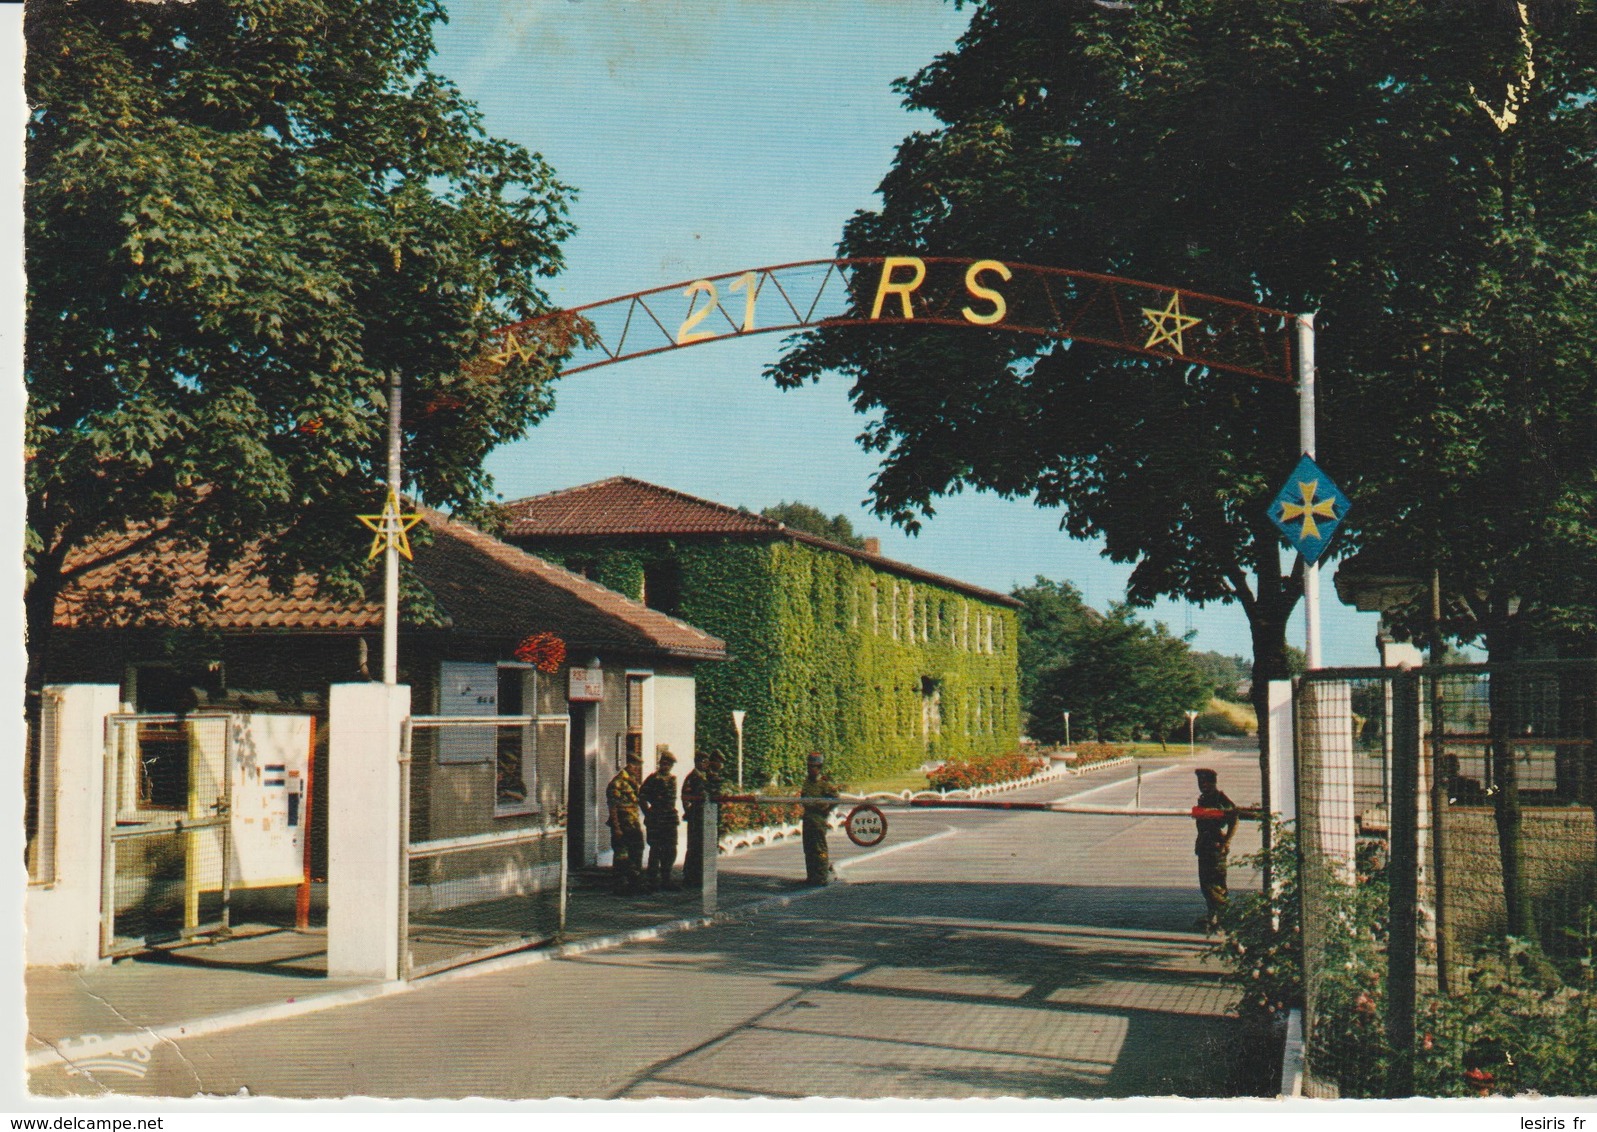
736	817
987	772
1089	753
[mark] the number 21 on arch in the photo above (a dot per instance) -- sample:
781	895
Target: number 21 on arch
686	332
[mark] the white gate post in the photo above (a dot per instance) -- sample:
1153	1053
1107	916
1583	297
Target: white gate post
1283	799
364	828
63	917
710	854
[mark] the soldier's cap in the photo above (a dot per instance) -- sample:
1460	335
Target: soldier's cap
816	758
1205	772
666	757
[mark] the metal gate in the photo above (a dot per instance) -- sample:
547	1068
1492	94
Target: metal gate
483	859
167	848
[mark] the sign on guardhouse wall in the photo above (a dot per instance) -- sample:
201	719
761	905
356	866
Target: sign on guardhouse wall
586	685
271	773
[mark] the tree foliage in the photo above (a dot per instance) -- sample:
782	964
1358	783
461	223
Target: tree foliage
1118	678
803	517
1307	155
1051	620
243	216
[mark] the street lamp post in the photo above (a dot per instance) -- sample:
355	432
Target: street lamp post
1192	722
1066	714
737	725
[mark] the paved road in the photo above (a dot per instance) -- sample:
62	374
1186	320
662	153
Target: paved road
972	954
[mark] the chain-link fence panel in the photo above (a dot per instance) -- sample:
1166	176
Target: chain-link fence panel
1468	875
485	815
1512	763
1344	723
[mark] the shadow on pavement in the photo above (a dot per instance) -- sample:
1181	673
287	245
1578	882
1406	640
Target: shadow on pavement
959	989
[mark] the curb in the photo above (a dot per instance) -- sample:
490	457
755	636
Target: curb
1292	1056
89	1046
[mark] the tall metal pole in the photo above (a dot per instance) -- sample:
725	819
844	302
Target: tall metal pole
1311	572
391	552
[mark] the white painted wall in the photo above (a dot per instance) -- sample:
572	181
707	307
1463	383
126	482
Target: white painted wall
63	918
674	716
363	829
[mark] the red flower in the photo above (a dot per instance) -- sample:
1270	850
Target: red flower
544	651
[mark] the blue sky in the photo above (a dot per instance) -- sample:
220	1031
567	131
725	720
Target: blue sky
722	135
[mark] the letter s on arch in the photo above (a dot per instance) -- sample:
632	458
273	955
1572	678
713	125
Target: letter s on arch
1000	308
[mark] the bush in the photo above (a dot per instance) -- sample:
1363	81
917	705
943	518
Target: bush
1226	719
1261	941
1522	1024
986	772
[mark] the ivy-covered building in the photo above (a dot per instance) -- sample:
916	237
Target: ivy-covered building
880	664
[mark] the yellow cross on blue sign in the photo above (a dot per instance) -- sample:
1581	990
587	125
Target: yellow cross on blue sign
1308	509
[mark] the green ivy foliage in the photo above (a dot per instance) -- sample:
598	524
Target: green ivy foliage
807	665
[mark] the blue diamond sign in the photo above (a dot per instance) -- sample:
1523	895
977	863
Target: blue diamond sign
1308	509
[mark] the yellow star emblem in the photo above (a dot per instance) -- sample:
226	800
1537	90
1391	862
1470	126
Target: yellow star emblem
513	348
391	526
1168	324
1309	509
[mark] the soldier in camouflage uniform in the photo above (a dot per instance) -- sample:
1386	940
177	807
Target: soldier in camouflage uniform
702	783
626	825
1214	842
817	860
659	799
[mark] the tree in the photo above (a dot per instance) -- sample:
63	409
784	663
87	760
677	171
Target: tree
1123	680
803	517
1308	155
243	217
1226	674
1050	623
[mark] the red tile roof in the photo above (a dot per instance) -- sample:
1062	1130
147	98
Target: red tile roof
487	585
623	507
470	582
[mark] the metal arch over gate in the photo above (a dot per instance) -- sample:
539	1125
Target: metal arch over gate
1130	315
986	294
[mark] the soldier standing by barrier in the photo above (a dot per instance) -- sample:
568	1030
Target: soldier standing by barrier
701	784
817	860
1214	842
626	825
659	799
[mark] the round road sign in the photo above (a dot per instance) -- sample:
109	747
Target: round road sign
866	825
